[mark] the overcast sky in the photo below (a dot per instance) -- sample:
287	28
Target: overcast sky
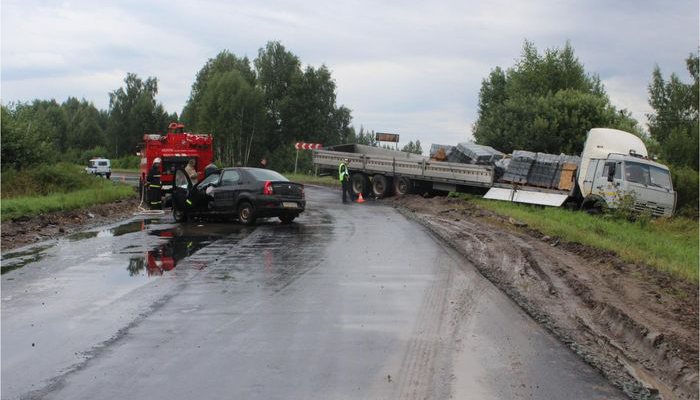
407	67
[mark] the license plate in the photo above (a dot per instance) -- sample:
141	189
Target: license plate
288	204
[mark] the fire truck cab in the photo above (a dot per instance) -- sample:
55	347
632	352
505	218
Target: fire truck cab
174	149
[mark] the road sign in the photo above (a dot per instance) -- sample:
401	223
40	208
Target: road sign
307	146
387	137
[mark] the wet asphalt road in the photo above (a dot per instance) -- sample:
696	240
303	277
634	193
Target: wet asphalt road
349	302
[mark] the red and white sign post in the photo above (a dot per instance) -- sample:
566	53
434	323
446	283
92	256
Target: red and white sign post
304	146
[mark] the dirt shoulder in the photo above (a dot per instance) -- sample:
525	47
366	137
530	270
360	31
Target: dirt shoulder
25	231
638	326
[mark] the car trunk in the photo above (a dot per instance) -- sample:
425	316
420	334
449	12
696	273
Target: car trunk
287	189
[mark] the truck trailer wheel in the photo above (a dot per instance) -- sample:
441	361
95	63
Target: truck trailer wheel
360	184
402	185
381	186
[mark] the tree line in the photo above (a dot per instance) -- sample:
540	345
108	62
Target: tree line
253	109
545	102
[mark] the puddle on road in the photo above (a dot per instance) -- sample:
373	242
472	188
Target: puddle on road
170	246
180	242
19	259
15	260
129	227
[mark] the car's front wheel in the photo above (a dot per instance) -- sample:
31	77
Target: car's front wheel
179	215
246	213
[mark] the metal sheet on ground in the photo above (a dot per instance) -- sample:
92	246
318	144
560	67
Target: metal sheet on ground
525	196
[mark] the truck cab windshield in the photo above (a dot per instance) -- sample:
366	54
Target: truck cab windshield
647	175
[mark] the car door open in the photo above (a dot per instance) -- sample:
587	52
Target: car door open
181	189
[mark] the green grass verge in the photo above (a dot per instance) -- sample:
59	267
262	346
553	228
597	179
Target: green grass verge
313	180
670	245
35	205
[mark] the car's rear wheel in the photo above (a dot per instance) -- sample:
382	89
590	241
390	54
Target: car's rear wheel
179	215
287	219
246	213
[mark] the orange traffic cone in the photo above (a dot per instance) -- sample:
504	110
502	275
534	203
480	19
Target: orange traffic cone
360	199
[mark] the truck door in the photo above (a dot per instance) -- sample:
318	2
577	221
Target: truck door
587	187
608	178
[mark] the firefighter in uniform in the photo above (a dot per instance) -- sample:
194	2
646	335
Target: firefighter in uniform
154	195
344	177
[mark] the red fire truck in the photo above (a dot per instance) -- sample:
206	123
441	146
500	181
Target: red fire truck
175	149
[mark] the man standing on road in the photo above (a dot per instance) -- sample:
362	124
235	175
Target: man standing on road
191	171
154	193
344	177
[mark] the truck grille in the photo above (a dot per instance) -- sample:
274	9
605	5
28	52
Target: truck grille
654	208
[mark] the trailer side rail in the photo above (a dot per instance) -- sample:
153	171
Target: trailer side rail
436	171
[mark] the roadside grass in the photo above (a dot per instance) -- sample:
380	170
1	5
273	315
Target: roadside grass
57	187
312	180
670	245
35	205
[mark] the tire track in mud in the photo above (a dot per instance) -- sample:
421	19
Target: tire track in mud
632	357
426	369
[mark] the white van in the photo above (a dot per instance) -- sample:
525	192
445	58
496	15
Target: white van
99	166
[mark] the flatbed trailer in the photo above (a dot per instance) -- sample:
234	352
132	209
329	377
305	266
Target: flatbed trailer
382	172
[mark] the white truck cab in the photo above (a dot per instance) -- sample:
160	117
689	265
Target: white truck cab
615	163
99	166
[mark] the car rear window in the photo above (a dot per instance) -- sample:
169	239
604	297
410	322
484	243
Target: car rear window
266	175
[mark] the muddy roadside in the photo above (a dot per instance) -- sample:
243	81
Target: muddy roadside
638	326
27	230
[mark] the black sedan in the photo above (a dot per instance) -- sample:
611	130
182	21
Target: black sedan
242	193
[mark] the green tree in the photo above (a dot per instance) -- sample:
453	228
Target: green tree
544	103
231	109
133	111
23	144
310	109
367	138
674	122
413	147
224	62
277	70
85	124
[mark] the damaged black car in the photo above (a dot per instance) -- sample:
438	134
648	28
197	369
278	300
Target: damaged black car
242	193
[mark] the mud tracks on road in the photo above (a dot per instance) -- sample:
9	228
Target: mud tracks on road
626	320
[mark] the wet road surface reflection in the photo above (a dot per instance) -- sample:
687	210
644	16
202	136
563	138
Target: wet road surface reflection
19	259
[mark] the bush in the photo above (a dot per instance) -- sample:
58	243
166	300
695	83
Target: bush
685	182
46	179
126	162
